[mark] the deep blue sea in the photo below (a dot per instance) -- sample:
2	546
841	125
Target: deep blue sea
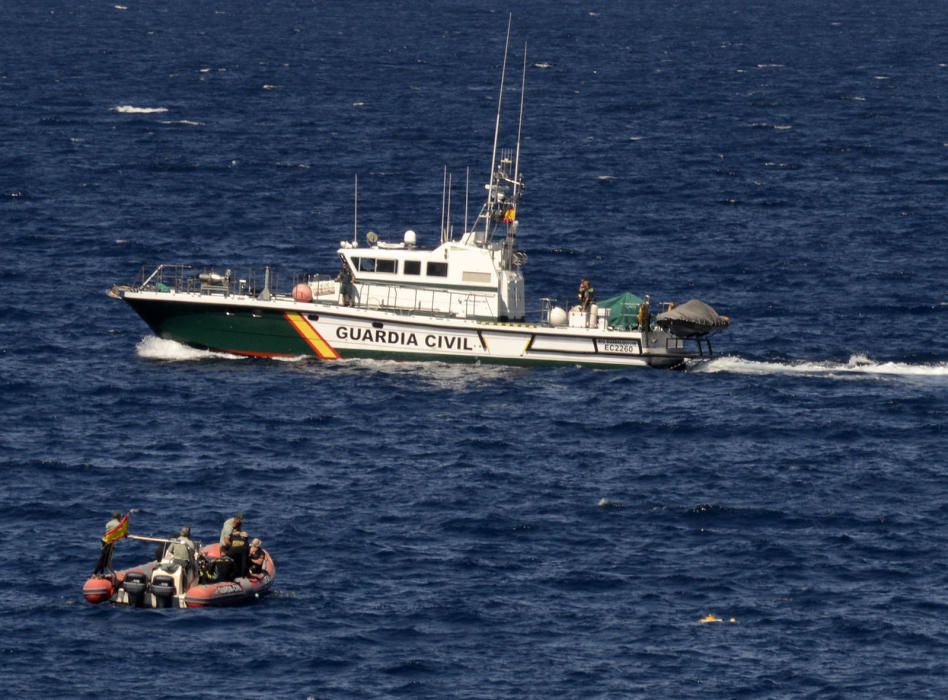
446	531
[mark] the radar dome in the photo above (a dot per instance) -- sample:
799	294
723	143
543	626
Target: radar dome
410	238
558	316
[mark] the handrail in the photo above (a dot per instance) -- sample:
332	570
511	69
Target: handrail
393	296
425	298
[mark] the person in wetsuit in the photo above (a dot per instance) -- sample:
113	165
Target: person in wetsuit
256	557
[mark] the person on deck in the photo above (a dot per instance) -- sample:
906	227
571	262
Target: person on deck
233	543
256	557
345	279
645	315
587	295
182	549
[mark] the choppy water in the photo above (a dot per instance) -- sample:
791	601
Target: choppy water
449	531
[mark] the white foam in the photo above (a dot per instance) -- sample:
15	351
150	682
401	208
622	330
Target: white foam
543	65
443	375
858	365
183	122
131	109
154	348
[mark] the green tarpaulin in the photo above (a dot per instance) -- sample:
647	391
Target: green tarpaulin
622	310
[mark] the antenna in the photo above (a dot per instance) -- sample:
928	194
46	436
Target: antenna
523	89
448	215
444	190
467	191
355	214
493	157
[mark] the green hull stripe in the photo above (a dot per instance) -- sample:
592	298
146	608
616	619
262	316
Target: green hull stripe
239	330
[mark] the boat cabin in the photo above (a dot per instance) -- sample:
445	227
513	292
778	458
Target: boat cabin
457	278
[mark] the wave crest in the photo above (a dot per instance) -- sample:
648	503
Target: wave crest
131	109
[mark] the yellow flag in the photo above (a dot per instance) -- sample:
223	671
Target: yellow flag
117	532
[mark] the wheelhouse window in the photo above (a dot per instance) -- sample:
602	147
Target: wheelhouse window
412	267
364	264
437	269
386	265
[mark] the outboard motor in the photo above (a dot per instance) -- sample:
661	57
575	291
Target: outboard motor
162	586
135	584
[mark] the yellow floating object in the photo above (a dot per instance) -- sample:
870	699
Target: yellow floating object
709	618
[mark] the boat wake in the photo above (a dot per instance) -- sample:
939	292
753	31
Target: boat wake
153	348
857	366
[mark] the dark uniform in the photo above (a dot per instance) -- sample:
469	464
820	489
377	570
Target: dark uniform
234	544
105	554
256	557
346	288
587	295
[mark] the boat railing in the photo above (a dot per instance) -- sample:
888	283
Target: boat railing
168	277
180	278
426	299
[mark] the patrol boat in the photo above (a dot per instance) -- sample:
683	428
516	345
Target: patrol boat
461	301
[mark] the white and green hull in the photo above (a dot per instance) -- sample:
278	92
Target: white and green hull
282	327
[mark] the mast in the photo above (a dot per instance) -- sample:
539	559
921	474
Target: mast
493	157
355	213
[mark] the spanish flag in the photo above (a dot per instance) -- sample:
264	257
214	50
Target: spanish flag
117	532
510	216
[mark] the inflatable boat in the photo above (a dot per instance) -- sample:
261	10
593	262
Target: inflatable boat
195	582
693	319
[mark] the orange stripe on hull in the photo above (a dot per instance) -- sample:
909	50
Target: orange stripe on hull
323	350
